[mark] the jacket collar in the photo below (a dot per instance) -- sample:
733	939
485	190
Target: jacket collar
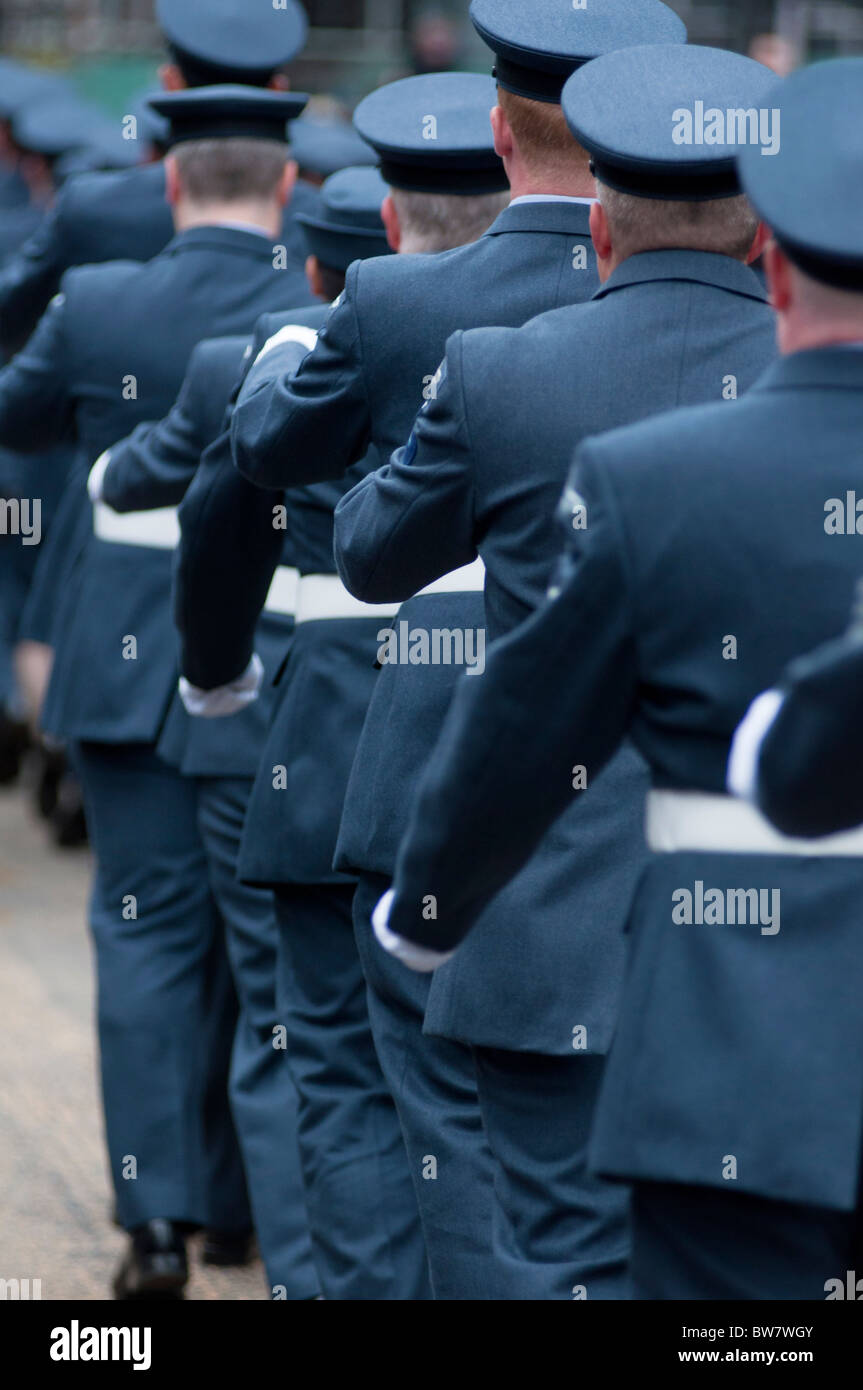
819	369
222	239
698	267
568	217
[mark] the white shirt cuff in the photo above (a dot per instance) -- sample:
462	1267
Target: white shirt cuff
225	699
742	776
418	958
97	475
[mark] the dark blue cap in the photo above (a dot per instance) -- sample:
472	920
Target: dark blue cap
433	133
347	226
57	125
20	85
105	149
649	115
538	44
224	113
811	192
239	36
323	147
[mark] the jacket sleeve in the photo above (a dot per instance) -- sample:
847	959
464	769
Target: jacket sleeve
36	407
557	695
229	551
809	780
412	520
154	466
293	427
29	279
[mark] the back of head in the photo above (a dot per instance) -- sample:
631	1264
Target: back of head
230	171
432	222
723	226
434	139
546	147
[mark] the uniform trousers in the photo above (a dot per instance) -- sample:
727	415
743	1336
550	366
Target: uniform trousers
714	1243
360	1197
165	1013
433	1083
559	1231
262	1093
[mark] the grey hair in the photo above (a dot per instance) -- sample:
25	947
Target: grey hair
433	222
726	226
230	171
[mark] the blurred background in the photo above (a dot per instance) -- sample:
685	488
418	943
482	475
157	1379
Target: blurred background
111	47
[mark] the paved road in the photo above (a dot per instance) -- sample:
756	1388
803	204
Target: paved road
54	1191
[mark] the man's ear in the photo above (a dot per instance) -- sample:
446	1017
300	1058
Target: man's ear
600	232
391	222
504	144
171	78
289	179
762	237
173	187
779	279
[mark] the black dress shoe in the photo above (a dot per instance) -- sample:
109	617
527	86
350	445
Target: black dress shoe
50	769
14	741
227	1248
154	1266
67	821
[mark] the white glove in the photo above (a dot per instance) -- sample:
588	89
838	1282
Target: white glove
742	776
418	958
225	699
97	475
291	333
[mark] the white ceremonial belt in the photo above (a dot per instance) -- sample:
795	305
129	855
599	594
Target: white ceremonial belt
323	596
680	821
158	529
282	597
470	579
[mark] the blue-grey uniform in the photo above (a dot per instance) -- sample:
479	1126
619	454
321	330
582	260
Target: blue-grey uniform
734	1091
25	533
391	327
536	988
365	1231
152	912
123	215
152	469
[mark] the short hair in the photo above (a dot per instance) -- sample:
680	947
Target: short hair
544	140
725	226
432	222
230	171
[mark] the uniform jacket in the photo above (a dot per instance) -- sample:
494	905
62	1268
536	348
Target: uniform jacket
111	352
483	473
118	216
363	384
704	569
228	555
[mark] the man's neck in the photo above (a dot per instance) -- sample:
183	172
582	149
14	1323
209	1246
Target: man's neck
531	186
249	216
815	336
